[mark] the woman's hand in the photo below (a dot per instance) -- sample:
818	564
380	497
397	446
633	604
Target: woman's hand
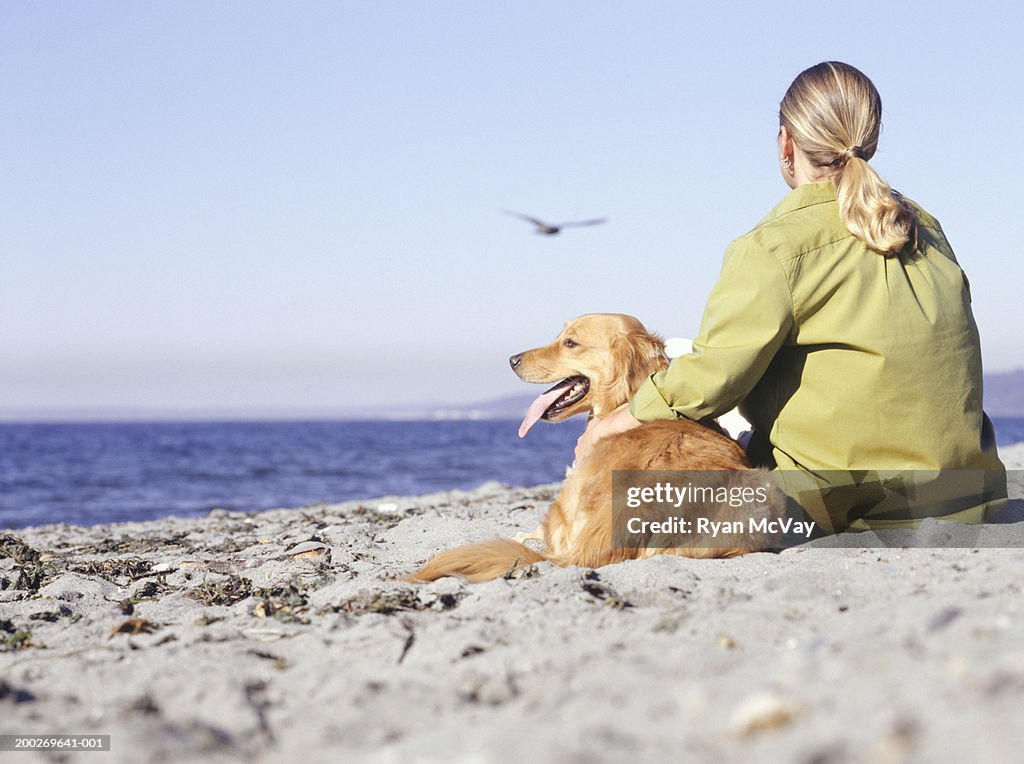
619	420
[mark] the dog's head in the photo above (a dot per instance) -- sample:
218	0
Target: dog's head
598	361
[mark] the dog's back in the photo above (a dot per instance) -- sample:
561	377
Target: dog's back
578	529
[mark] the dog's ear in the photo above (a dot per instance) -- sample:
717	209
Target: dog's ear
648	357
636	356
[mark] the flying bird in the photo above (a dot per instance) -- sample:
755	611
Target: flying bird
549	229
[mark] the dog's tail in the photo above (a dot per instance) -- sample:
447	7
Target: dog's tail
483	561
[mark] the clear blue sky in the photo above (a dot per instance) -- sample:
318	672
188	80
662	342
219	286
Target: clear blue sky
249	204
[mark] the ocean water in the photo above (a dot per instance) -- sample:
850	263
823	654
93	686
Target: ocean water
94	473
97	473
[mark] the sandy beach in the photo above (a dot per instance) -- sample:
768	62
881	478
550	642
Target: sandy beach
283	634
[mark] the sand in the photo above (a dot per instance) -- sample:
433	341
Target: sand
283	634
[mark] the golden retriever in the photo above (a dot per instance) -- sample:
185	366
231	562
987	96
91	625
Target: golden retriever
598	362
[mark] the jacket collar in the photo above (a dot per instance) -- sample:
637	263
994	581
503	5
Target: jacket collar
806	195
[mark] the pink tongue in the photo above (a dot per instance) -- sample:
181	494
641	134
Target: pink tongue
540	405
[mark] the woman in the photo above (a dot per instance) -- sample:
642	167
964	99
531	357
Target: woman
842	327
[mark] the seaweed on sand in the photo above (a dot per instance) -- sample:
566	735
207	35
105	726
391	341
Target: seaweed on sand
228	592
284	602
138	545
12	638
132	568
29	564
389	603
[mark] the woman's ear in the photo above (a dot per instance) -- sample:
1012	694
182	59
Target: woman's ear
785	143
787	156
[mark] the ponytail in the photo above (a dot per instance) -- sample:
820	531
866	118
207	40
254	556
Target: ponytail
871	210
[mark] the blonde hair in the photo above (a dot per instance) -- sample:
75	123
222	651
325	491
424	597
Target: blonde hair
834	114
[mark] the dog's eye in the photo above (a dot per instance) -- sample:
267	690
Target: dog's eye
570	343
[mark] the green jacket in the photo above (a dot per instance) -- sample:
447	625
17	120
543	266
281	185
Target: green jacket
845	361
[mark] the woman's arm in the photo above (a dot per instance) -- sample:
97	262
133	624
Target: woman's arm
748	317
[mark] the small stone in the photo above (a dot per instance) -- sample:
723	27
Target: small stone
308	550
763	712
943	618
135	626
726	642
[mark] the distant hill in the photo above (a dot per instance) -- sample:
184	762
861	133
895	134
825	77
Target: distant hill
1004	393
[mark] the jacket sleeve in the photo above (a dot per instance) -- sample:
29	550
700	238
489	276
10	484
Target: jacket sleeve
748	317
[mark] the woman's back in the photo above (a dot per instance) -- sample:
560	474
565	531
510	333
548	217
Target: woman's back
881	367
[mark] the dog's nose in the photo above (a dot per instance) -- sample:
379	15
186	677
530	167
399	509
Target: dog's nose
515	360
